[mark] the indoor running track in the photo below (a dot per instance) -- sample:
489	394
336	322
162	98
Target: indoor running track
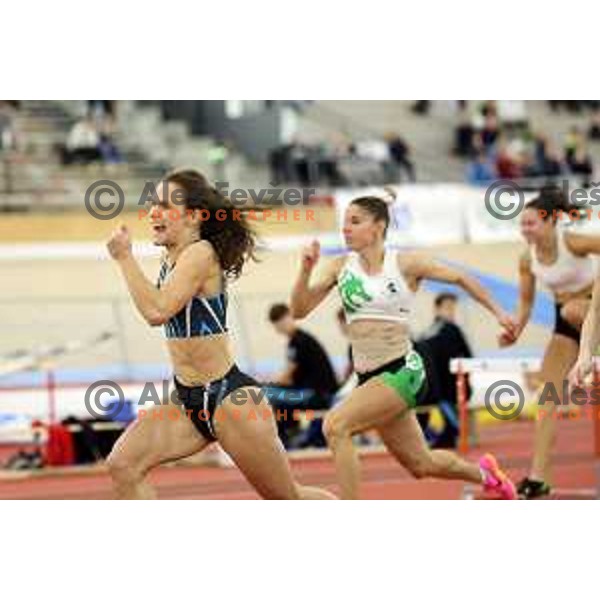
382	477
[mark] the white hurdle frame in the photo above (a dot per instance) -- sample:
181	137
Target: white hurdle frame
463	366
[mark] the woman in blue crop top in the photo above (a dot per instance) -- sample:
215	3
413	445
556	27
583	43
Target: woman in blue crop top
206	242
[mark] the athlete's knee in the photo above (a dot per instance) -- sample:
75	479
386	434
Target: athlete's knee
123	471
335	428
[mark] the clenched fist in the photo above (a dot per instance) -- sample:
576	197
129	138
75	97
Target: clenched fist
310	256
119	244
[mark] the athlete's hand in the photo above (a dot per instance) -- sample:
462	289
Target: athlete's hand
119	244
510	330
581	375
506	339
310	256
508	323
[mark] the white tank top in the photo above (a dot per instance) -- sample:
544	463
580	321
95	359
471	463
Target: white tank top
569	273
385	296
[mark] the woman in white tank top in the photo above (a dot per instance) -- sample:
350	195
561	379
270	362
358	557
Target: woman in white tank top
562	262
376	288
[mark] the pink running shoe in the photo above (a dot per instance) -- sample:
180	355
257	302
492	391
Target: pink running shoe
495	480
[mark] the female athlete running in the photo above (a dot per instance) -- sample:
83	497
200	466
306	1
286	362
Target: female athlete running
205	243
561	261
376	288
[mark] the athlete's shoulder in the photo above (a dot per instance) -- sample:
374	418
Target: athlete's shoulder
335	265
581	244
411	261
201	251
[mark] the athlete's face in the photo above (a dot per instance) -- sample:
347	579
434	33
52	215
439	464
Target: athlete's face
169	222
360	228
533	227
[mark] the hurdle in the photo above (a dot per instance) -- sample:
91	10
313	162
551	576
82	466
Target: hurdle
462	367
45	359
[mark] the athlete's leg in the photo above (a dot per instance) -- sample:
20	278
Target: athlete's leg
559	357
249	435
404	438
368	406
163	434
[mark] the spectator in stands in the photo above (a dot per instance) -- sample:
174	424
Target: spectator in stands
399	153
421	107
572	106
480	171
308	369
540	143
581	164
594	130
217	156
8	132
108	149
101	109
552	165
83	143
489	109
464	133
339	161
507	165
489	133
573	140
282	168
441	342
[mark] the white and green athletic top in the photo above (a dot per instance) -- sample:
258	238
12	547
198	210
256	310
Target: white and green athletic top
385	296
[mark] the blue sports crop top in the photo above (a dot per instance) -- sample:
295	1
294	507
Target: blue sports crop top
200	316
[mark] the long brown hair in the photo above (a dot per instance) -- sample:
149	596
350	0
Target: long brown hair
232	237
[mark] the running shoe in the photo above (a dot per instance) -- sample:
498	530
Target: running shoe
530	489
495	480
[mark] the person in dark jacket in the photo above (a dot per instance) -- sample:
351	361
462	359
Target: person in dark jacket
441	342
308	370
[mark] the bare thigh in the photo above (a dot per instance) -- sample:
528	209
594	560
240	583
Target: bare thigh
404	438
156	438
367	407
560	355
249	435
574	311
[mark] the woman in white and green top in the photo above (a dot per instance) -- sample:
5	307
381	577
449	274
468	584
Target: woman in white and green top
376	287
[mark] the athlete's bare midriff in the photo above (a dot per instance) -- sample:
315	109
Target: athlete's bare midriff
377	342
200	360
564	297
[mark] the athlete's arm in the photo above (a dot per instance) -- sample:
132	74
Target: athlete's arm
307	296
158	306
582	245
590	340
526	296
419	268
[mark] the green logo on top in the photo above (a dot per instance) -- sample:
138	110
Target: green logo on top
353	292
